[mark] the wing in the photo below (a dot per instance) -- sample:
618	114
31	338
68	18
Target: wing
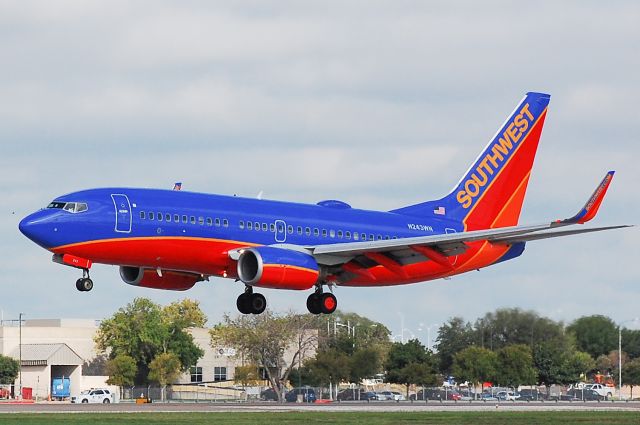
399	252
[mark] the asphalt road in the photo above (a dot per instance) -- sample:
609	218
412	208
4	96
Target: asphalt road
433	406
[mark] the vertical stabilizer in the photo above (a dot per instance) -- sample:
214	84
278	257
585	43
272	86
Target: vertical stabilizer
491	192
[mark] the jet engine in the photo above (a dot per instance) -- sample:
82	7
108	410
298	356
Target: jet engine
271	267
149	278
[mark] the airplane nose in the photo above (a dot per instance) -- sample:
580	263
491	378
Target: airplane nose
36	227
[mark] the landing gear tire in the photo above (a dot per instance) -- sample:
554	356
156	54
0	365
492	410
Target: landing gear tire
313	304
319	302
328	303
250	303
84	284
258	303
243	303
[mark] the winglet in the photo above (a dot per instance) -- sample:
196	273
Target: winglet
590	209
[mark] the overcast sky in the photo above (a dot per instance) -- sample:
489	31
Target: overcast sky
378	103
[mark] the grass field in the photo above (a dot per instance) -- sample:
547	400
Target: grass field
309	418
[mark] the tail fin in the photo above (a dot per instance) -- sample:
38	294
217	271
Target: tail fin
492	191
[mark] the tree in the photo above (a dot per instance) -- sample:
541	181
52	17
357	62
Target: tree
263	339
410	363
475	364
453	337
510	326
9	368
516	366
631	342
164	369
143	329
364	363
246	375
121	371
330	366
631	374
595	335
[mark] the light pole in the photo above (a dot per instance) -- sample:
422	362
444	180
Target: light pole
20	353
620	355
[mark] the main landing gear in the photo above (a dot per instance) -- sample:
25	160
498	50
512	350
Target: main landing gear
321	302
85	283
250	302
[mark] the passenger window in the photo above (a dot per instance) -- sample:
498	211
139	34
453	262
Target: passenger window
176	218
241	224
379	237
356	236
387	237
151	216
371	237
340	234
332	233
249	225
264	227
324	233
209	221
225	223
184	218
193	219
289	229
217	222
272	227
316	231
307	231
159	216
299	229
167	217
257	226
347	234
142	215
201	221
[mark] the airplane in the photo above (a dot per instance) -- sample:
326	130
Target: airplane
172	239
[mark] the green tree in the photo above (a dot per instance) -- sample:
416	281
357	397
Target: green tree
475	364
143	329
9	368
509	326
453	337
410	363
330	366
364	363
164	369
246	375
595	335
631	374
515	366
263	339
631	342
121	370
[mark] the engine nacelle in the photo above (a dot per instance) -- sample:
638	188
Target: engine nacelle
148	278
280	268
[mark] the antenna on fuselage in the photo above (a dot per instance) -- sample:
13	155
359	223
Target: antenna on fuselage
260	194
177	186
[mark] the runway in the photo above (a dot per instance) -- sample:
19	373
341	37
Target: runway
53	407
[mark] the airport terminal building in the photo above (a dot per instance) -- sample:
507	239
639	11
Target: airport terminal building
52	353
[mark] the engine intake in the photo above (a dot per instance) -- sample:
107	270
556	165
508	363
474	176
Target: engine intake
148	278
271	267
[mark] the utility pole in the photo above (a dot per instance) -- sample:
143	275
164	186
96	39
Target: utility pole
20	353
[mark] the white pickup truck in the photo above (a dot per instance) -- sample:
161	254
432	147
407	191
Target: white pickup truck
603	390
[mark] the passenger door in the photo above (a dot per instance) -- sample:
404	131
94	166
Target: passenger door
123	213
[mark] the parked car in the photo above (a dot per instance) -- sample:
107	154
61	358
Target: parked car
96	395
427	394
603	390
308	395
356	394
588	394
488	397
507	396
528	394
451	395
385	395
398	396
269	395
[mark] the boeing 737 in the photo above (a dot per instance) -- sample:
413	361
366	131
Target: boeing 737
172	239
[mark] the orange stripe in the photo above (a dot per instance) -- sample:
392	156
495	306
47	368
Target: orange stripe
154	238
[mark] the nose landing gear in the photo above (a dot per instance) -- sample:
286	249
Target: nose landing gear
250	302
85	283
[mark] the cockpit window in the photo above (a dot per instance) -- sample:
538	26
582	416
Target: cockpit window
72	207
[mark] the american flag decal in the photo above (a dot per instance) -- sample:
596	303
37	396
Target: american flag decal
439	211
